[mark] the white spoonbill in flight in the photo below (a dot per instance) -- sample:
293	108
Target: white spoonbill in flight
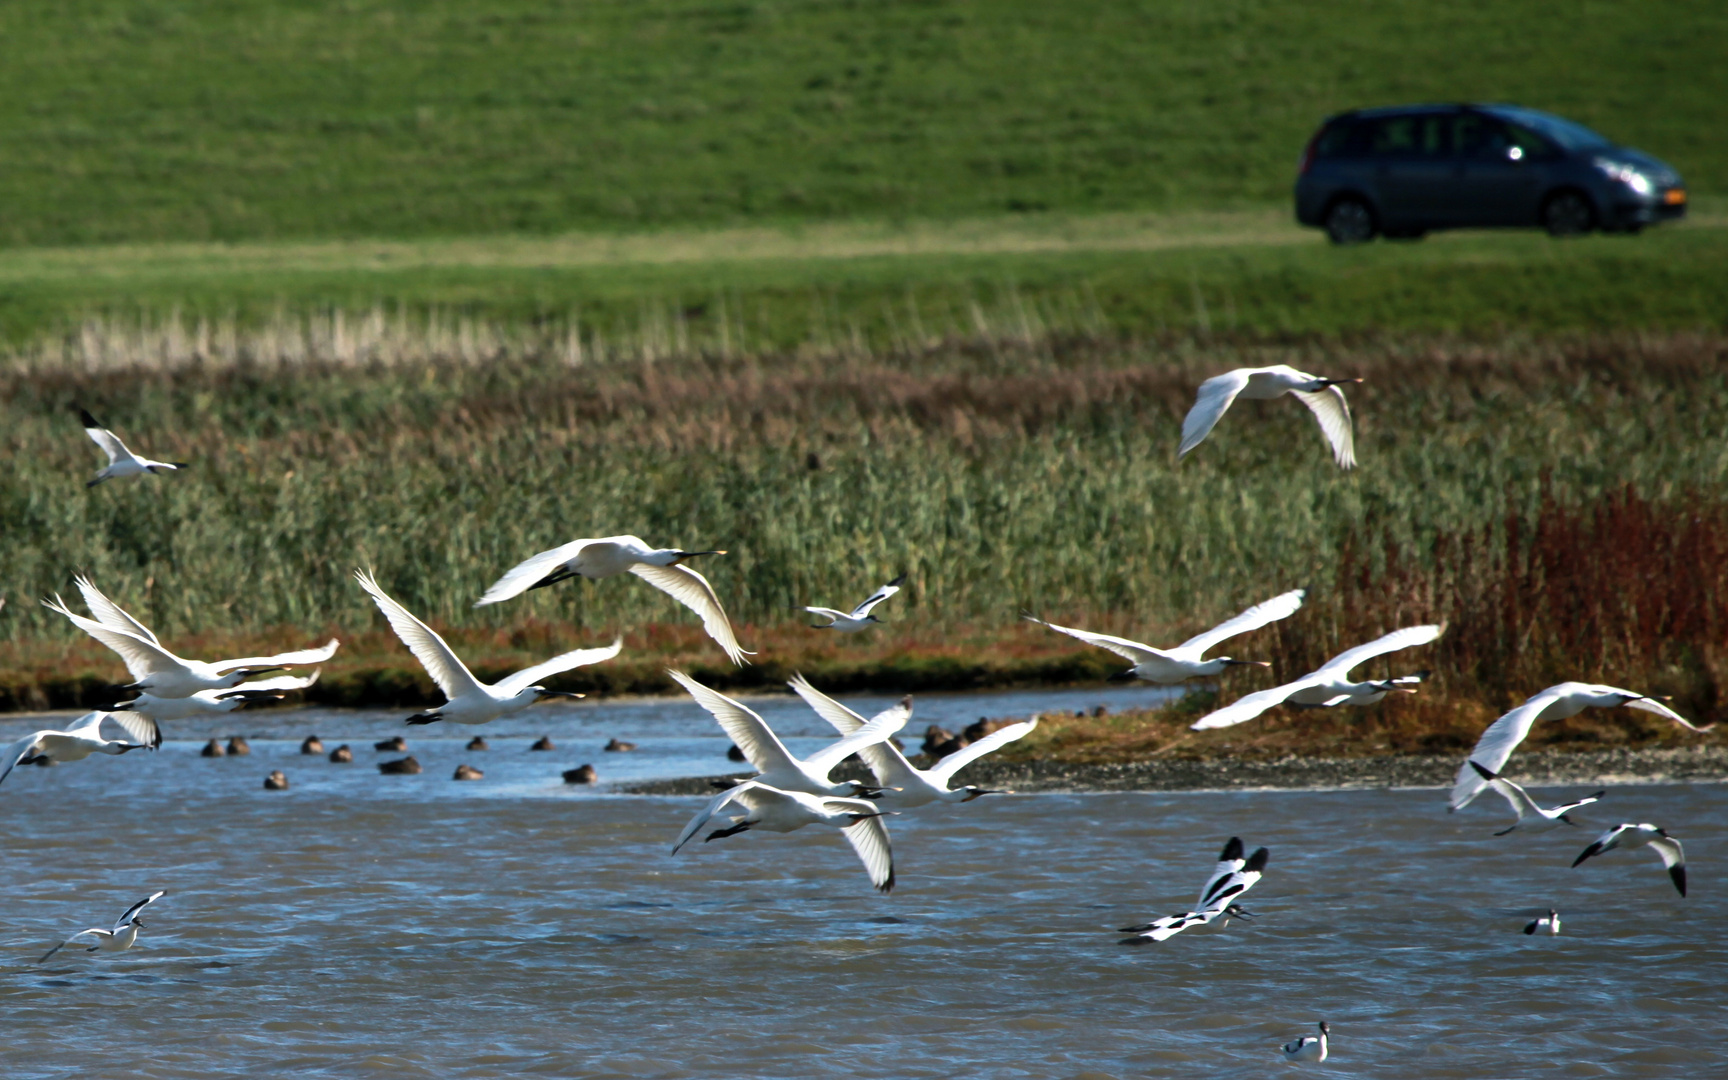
905	787
859	821
1330	684
1321	395
595	559
76	743
859	618
467	699
142	715
1524	806
120	938
775	765
121	461
1186	661
1232	877
1673	855
1555	703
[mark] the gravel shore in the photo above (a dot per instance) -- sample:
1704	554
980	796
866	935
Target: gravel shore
1532	768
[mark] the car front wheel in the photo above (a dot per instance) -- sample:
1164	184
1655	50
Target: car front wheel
1568	213
1350	222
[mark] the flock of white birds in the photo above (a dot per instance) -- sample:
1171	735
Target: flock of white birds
789	793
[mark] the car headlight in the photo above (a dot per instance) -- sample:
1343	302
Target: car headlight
1625	174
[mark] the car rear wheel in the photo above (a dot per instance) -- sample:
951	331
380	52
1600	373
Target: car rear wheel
1567	213
1349	221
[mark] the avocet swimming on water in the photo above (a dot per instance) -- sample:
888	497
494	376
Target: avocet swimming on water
467	699
609	555
775	765
1186	661
1673	855
1321	395
121	461
1547	924
1310	1047
76	743
905	787
859	618
1555	703
1232	877
1330	684
156	670
1524	806
859	821
120	938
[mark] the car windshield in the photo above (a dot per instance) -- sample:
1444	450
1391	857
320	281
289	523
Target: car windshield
1569	135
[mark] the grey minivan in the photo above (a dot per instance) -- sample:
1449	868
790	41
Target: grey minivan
1402	172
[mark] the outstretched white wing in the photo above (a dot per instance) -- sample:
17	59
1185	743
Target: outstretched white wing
521	680
298	656
110	614
1215	396
1341	664
877	730
888	764
1333	412
869	838
142	658
97	930
693	591
881	594
1674	858
747	730
717	804
1132	651
527	573
446	669
1247	708
1269	611
132	912
101	436
15	753
1497	743
141	729
944	770
1653	706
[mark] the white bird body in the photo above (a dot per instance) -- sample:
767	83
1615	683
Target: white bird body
610	555
1555	703
1547	924
119	939
121	461
775	765
75	743
905	787
156	670
467	699
1310	1047
1320	395
765	807
149	707
1187	660
859	618
1524	806
1673	855
1330	684
1233	876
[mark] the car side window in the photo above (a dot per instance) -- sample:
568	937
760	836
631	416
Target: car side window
1523	143
1344	139
1411	136
1478	136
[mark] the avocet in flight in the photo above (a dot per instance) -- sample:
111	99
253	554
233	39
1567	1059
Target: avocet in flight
1524	806
76	743
121	461
859	618
1673	855
1187	660
119	939
1232	877
859	821
1321	395
1330	684
467	700
609	555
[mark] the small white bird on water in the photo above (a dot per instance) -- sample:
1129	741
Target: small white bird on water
1524	806
142	715
1673	855
905	787
120	938
1330	684
775	765
76	743
1321	395
1232	877
1555	703
859	821
610	555
1186	661
1310	1047
467	699
1547	924
859	618
156	670
121	461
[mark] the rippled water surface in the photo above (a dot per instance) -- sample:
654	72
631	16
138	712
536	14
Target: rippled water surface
362	925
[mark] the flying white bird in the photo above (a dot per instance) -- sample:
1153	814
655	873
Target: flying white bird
1523	805
775	765
905	787
1555	703
76	743
156	670
119	939
1330	684
467	699
1549	923
1232	877
859	618
1673	855
1185	660
1310	1047
141	716
859	821
1322	397
602	558
121	461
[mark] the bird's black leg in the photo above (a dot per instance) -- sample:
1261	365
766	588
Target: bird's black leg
733	831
